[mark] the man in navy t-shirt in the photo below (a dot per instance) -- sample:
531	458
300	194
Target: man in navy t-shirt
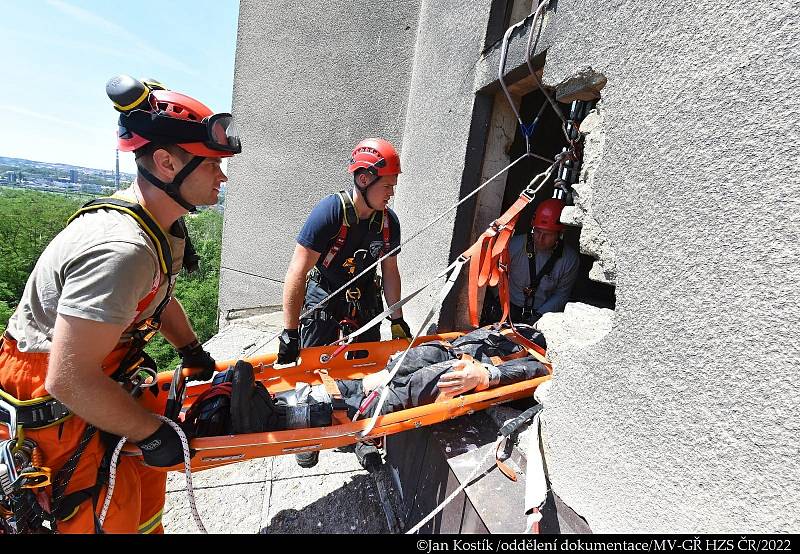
343	235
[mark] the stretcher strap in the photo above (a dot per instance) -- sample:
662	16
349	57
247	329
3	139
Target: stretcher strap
457	265
531	347
378	318
330	386
497	360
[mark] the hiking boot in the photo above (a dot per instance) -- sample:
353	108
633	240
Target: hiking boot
307	459
369	456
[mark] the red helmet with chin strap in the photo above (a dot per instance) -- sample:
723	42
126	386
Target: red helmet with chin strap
149	113
548	216
377	156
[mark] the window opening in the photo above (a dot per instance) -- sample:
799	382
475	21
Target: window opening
548	140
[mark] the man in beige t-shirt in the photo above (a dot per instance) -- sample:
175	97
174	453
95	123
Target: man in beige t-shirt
107	272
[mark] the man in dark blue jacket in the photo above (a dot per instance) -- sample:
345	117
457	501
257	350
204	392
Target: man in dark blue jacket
342	236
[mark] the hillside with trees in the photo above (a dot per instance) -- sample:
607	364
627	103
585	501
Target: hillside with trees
30	219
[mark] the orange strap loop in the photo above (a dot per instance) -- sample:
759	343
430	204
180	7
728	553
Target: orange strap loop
489	259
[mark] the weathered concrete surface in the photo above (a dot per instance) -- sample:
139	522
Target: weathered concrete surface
311	80
274	495
685	415
436	140
682	414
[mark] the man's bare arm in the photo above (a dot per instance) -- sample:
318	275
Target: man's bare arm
391	283
75	377
175	325
294	287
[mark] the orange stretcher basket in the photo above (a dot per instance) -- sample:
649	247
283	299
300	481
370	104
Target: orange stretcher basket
357	361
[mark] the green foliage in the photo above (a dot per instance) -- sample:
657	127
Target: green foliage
198	292
5	314
28	222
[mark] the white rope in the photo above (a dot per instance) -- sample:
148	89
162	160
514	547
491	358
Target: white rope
456	270
261	344
455	493
187	470
399	304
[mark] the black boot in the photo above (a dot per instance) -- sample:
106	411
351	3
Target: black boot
307	459
369	456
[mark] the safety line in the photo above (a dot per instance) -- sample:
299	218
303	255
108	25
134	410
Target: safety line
112	474
325	300
252	275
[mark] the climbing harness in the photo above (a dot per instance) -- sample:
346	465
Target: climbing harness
260	344
350	217
23	510
537	276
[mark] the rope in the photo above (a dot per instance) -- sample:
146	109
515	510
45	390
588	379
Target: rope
226	268
456	270
467	482
187	471
325	300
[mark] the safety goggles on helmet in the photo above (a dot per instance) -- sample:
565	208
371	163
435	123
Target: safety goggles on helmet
217	132
222	133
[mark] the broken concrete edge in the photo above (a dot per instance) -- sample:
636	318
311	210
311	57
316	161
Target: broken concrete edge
584	85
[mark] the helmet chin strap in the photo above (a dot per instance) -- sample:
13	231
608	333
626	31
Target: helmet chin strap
363	191
173	189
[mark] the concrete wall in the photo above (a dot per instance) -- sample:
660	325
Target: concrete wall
311	80
679	410
684	416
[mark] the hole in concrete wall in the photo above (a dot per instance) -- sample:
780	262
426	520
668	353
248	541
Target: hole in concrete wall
548	140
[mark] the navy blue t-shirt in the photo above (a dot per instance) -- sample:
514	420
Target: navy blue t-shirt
322	227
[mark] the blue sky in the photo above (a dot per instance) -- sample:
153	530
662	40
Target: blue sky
58	55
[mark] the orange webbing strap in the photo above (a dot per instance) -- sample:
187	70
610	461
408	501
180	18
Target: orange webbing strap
531	347
489	260
475	254
330	386
497	360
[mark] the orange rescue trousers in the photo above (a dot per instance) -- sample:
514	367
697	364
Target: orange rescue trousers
139	491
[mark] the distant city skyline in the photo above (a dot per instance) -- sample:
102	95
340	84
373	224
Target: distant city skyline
59	55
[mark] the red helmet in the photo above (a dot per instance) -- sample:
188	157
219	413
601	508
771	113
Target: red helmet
179	106
377	156
548	215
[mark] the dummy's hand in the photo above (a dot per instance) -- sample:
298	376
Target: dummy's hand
465	376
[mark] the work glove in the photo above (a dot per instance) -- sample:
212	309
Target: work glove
400	329
163	448
193	356
288	346
533	318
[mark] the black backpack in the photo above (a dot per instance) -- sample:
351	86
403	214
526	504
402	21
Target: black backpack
234	404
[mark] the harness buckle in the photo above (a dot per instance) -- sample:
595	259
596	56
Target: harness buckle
353	294
12	418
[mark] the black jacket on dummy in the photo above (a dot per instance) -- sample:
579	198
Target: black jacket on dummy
415	383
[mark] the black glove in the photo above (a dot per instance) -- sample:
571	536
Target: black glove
163	448
533	318
400	329
288	346
193	356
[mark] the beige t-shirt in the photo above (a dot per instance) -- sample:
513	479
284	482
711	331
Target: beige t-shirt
98	268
